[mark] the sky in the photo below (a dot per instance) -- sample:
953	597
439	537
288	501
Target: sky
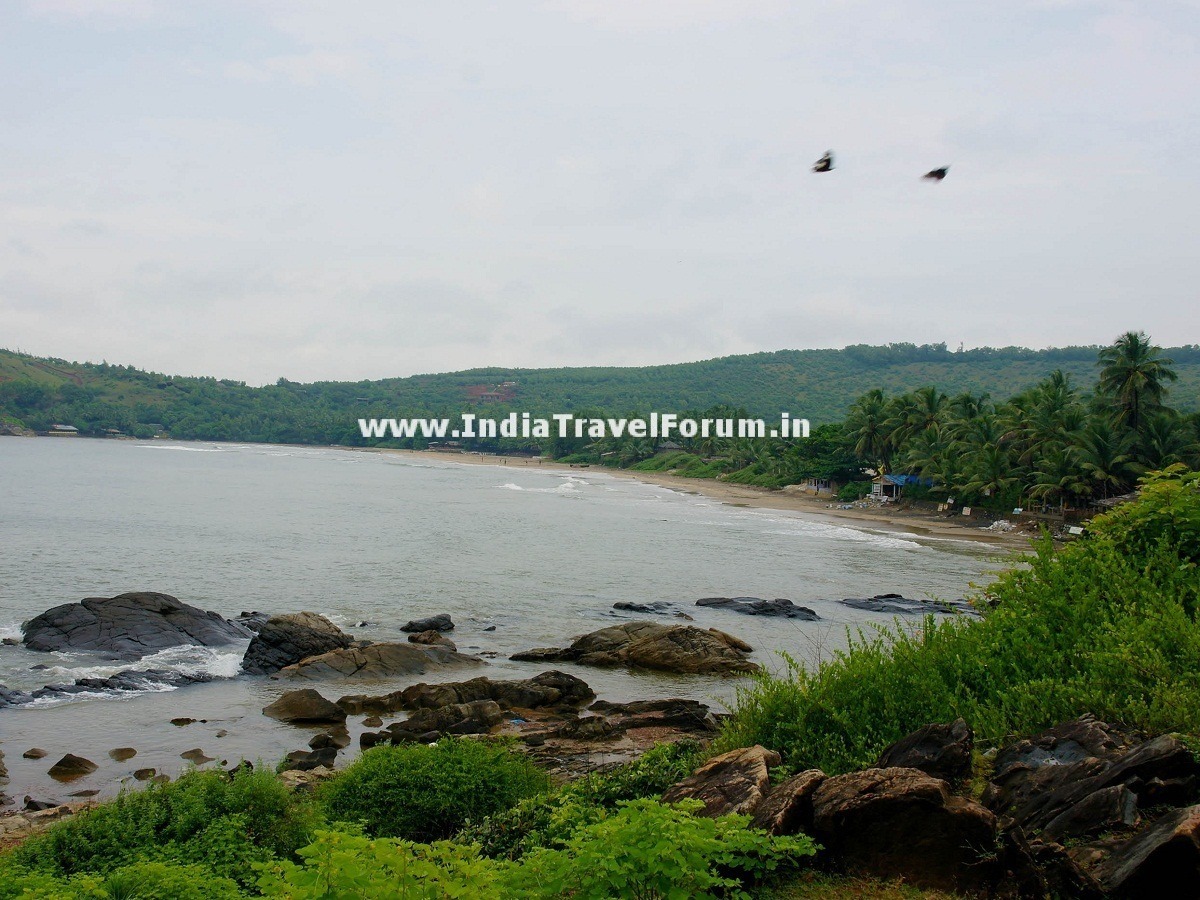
256	189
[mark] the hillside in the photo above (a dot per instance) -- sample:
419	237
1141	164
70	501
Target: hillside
817	384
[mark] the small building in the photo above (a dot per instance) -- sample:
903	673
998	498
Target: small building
63	431
890	487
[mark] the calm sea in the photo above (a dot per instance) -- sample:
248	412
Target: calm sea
382	538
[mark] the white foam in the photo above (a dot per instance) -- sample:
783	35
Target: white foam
177	447
11	632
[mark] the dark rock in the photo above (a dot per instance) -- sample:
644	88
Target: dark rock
91	792
120	754
284	640
754	606
304	706
1163	861
1108	809
1038	869
440	622
32	805
145	774
130	625
545	689
252	621
383	660
302	761
734	782
685	715
895	604
34	753
943	751
476	717
372	722
338	739
648	645
433	639
902	823
181	721
655	607
196	756
587	728
71	767
369	739
788	807
490	628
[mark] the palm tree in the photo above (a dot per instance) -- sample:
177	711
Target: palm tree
1168	439
1107	456
866	427
1133	378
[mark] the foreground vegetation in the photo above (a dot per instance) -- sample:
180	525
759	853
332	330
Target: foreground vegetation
1106	625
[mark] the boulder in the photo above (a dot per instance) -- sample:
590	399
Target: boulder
754	606
34	753
338	738
130	625
196	756
788	808
304	706
120	754
1163	861
943	751
377	661
306	761
287	639
681	714
145	774
433	639
683	649
902	823
476	717
71	767
655	607
734	782
440	622
546	689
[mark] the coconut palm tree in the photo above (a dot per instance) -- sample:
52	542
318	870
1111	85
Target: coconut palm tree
1133	377
866	426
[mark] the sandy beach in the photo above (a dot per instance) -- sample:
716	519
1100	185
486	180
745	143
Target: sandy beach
900	519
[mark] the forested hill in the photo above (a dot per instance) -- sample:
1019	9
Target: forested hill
817	384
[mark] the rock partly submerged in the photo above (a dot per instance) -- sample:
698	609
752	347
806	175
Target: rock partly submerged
130	625
682	649
287	639
754	606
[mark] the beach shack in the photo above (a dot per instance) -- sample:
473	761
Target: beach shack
63	431
886	488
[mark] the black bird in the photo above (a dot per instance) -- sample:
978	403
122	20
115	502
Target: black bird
937	174
825	163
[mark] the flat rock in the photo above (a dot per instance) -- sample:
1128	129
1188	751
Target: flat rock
196	756
656	606
754	606
895	604
547	689
943	751
440	622
683	649
130	625
304	706
34	753
476	717
902	823
120	754
145	774
734	782
71	767
378	661
284	640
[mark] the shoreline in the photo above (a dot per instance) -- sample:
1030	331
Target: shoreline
750	496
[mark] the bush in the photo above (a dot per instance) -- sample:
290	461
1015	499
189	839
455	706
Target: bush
428	793
1105	625
643	850
548	820
853	491
207	818
140	881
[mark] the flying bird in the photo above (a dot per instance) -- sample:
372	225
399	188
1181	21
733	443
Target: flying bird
825	163
936	174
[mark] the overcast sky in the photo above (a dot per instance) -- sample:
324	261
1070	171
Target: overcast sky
318	190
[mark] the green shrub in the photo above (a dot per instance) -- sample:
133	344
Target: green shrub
650	850
426	793
140	881
548	820
1105	625
853	491
642	850
205	818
